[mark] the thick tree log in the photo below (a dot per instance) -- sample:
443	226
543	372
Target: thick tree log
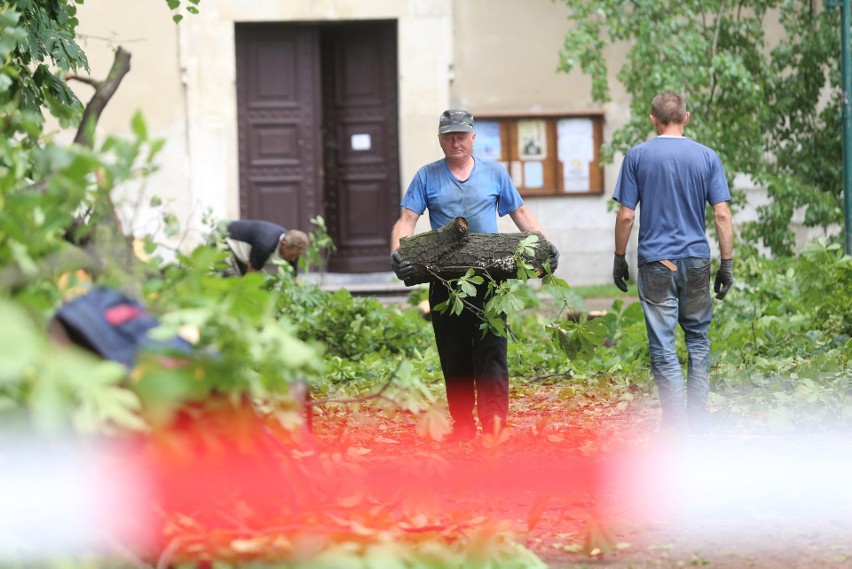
448	252
425	248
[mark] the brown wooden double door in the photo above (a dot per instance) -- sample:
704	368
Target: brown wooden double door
317	123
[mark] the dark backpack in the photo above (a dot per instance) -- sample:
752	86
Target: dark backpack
113	326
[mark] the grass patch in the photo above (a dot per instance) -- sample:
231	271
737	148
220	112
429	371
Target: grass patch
604	291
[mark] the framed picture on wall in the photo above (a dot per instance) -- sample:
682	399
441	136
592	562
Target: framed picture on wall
532	139
489	142
547	154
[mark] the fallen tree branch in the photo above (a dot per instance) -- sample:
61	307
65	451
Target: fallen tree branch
377	395
449	251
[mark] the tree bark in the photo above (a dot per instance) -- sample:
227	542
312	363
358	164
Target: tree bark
108	239
104	90
95	246
449	251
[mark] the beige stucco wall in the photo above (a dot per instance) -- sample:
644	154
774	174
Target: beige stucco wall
152	87
183	81
487	55
506	55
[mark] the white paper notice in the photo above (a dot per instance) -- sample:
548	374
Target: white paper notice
576	150
488	142
516	173
533	175
361	142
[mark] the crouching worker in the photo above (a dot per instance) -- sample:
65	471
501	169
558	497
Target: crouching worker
254	243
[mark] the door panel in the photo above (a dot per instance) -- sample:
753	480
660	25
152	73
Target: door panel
278	117
317	123
360	131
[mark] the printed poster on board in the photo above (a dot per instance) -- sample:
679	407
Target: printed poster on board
576	149
532	139
488	143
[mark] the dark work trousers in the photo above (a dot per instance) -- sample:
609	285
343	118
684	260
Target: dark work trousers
475	368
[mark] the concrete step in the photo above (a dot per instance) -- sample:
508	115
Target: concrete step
384	286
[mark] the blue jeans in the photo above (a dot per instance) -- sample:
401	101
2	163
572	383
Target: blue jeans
679	297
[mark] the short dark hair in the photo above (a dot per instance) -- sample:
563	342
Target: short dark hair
669	108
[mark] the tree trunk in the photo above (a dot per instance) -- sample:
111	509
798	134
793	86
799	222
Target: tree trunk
104	90
448	252
105	240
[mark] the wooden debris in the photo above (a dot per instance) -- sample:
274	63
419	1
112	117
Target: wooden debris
449	251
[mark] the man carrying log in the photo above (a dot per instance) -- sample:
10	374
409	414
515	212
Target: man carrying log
459	185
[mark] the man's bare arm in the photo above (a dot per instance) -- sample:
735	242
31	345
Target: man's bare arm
724	229
526	220
623	227
404	227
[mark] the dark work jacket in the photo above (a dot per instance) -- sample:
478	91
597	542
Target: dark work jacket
262	237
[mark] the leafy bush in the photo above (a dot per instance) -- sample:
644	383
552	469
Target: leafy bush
780	353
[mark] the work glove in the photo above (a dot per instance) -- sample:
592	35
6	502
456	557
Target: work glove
554	258
400	266
619	272
724	278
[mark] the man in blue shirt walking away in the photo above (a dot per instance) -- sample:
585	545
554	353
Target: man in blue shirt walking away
674	178
459	185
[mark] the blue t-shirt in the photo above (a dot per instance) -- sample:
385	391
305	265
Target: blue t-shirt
674	178
488	188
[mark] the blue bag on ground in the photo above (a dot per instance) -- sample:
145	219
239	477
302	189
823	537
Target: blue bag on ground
115	327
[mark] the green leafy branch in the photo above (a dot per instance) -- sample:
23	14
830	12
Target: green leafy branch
176	5
575	339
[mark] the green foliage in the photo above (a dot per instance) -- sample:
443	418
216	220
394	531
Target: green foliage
254	337
823	266
175	6
37	45
781	344
502	299
578	339
320	246
57	390
352	327
759	103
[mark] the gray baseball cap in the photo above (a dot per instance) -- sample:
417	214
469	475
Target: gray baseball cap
455	120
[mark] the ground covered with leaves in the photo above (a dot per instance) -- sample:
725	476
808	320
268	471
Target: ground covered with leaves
583	484
579	477
572	481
